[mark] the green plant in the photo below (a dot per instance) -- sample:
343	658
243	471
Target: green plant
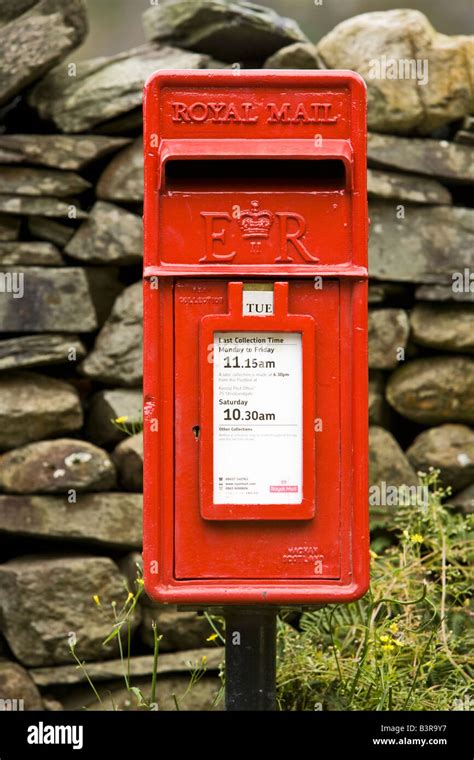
408	643
122	619
121	630
128	426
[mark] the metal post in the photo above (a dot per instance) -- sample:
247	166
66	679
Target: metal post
250	658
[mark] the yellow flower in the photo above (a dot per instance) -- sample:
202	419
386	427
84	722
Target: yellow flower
388	647
129	597
212	637
416	538
203	660
373	554
398	642
121	420
96	599
384	639
393	627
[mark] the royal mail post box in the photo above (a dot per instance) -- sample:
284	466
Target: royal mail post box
255	344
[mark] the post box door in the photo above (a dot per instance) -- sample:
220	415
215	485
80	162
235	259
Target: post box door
263	541
259	178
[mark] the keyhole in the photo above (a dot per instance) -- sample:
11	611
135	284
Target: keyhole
196	431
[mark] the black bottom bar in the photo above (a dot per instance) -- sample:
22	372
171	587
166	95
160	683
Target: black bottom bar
430	735
250	659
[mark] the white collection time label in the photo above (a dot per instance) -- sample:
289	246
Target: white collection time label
258	413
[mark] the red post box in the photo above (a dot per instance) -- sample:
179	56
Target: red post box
255	345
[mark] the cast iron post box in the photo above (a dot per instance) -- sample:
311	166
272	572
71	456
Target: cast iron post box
255	337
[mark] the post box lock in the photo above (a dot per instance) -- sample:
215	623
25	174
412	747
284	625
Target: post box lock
255	347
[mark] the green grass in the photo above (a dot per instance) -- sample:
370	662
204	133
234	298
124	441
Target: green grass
409	643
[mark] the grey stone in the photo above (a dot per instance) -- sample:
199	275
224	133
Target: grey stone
382	292
465	135
31	206
117	355
388	336
105	287
426	246
48	229
445	327
56	467
390	473
39	350
58	151
464	500
109	405
402	99
9	228
387	462
66	675
128	458
23	180
299	55
464	138
51	704
17	689
378	409
34	406
32	253
104	88
180	630
170	689
122	179
37	39
10	9
446	292
131	567
42	299
62	590
109	235
229	31
448	448
434	390
110	520
432	158
376	294
406	187
130	123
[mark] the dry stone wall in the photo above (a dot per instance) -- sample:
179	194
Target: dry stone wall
70	306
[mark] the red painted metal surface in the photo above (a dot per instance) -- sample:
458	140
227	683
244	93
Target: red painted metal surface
255	177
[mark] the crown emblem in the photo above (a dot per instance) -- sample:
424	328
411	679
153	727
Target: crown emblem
255	224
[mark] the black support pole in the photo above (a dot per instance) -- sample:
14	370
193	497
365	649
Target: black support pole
250	658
